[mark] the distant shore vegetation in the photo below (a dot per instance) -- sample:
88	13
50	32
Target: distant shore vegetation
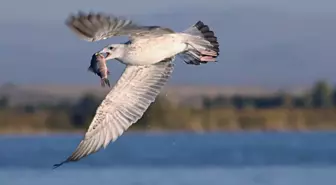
314	110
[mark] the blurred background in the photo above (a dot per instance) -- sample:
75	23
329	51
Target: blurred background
263	115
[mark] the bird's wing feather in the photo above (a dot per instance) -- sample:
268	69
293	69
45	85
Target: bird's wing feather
94	27
136	89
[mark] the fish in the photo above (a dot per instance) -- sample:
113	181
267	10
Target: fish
98	66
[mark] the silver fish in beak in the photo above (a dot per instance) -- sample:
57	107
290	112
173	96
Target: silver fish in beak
98	66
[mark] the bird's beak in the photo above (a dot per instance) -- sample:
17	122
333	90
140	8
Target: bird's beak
106	52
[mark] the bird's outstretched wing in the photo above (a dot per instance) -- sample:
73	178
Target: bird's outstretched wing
98	26
136	89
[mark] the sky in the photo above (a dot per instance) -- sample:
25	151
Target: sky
263	42
57	10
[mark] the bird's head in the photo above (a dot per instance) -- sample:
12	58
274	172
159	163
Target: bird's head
112	51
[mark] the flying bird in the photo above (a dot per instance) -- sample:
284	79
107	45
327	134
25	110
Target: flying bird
148	56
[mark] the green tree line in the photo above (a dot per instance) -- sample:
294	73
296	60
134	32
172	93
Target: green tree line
322	95
282	111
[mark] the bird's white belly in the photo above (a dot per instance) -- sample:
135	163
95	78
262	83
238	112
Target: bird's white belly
151	51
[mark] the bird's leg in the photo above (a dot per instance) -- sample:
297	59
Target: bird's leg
209	53
208	56
207	59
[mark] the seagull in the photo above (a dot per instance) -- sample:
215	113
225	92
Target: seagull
148	57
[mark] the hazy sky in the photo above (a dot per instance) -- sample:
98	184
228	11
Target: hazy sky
20	10
262	41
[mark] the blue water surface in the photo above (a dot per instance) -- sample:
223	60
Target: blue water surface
174	158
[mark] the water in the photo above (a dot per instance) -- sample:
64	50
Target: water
178	158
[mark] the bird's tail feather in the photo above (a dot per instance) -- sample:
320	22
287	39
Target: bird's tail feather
203	45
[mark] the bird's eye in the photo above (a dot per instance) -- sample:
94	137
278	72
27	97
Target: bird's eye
110	48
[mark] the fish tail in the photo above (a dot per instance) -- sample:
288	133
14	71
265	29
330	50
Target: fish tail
102	83
105	81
